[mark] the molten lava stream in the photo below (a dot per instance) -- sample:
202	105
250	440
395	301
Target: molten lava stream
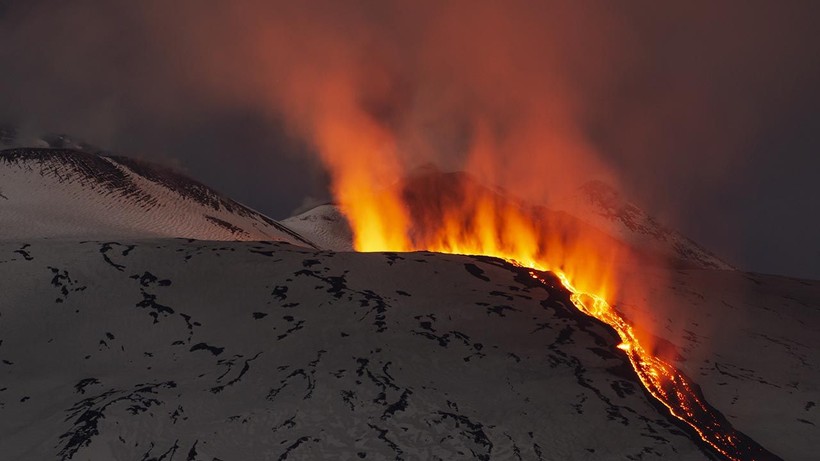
663	381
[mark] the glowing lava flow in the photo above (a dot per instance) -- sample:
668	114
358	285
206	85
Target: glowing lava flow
662	380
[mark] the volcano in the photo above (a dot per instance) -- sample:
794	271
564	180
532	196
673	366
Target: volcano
118	340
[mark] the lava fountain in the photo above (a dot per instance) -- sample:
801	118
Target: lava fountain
452	214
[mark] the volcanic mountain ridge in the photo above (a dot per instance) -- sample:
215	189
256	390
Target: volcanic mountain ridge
339	336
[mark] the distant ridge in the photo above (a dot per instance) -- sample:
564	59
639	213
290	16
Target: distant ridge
57	193
604	207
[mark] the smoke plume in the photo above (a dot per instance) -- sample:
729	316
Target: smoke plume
666	101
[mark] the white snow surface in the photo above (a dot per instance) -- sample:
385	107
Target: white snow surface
324	225
52	193
170	349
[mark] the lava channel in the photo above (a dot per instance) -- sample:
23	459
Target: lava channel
668	385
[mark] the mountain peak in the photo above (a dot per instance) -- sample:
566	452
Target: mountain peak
59	193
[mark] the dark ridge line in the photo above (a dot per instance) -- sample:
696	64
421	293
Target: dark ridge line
78	165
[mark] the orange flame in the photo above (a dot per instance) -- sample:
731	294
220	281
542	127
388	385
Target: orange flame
362	157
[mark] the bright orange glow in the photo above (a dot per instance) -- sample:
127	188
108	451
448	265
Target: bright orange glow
468	219
362	159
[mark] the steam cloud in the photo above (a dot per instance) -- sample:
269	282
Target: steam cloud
536	96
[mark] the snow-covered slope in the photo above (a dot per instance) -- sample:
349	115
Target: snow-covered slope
56	193
153	350
326	227
602	206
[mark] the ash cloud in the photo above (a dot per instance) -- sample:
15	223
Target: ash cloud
702	112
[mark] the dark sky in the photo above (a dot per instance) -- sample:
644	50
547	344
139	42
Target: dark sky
707	114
